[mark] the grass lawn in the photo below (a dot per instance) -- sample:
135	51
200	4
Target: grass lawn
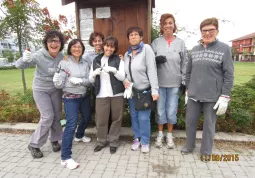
10	80
243	72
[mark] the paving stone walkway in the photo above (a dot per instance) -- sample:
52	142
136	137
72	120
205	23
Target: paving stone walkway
16	161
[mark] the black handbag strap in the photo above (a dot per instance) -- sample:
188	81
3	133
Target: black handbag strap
129	68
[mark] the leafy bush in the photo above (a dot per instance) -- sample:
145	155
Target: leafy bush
8	68
240	116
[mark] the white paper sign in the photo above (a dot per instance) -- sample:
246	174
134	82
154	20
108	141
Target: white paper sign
86	13
87	25
103	12
86	28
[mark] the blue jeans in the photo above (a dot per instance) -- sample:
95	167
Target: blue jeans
141	125
85	110
72	108
167	105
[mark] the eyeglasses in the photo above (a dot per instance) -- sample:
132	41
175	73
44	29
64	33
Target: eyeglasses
211	31
53	41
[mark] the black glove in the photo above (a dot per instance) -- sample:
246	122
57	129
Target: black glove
182	89
160	59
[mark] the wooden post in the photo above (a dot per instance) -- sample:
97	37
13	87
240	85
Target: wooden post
149	21
77	20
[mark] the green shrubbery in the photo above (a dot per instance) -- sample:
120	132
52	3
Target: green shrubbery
240	116
18	108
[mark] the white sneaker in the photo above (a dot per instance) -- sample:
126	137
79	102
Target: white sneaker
159	140
69	163
169	141
136	144
145	148
84	139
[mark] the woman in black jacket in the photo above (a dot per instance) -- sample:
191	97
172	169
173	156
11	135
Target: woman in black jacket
107	74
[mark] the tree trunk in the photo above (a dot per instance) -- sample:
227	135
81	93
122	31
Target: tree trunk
22	70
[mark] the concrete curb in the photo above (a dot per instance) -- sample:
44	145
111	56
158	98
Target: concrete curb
125	131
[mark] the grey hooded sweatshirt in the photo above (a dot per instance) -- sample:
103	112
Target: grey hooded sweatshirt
78	70
46	66
210	72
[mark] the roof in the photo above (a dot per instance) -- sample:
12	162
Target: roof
65	2
252	35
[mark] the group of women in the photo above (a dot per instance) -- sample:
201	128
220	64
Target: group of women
145	74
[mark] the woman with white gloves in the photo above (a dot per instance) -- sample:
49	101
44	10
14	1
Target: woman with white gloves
73	78
46	96
209	79
107	74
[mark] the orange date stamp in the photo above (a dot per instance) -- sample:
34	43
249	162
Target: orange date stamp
220	157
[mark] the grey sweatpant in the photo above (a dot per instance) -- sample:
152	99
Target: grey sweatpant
193	112
49	105
104	106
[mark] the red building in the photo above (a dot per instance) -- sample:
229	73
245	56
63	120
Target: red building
243	48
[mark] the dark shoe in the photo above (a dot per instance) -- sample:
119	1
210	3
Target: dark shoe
113	150
185	151
55	146
35	152
98	148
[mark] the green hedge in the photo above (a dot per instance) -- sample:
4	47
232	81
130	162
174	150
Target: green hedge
240	116
12	67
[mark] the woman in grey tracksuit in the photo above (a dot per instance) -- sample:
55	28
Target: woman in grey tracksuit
73	78
46	96
209	79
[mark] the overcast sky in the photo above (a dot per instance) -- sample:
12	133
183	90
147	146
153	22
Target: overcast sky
189	14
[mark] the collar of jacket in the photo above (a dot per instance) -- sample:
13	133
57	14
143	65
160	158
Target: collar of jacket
72	58
210	44
139	49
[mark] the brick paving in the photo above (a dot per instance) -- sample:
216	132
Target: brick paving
16	161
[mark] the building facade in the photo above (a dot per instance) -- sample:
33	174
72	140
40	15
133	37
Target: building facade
112	17
243	48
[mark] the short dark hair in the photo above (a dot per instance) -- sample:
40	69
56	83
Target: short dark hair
134	29
53	34
163	19
93	35
111	41
210	21
73	42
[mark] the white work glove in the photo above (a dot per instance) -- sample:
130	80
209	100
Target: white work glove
97	72
222	105
57	79
26	56
108	69
75	80
128	91
186	97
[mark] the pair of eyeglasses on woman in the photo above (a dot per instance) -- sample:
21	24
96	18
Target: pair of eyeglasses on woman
209	31
53	41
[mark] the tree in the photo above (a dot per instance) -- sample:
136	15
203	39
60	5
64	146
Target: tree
18	15
28	22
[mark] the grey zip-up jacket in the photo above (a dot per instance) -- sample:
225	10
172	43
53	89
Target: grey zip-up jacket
69	69
45	69
90	56
210	72
173	71
143	68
